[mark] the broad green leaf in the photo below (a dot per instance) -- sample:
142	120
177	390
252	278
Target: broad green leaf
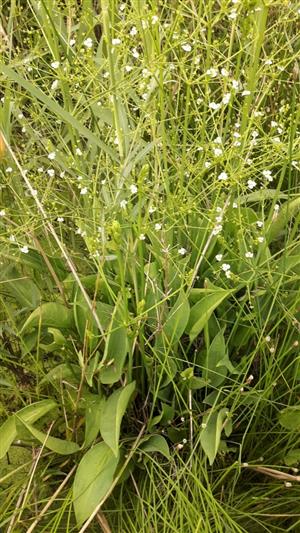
217	363
202	311
156	443
177	319
60	446
210	435
289	418
58	340
23	289
287	263
261	195
8	434
92	419
116	348
52	315
57	110
65	371
84	320
93	479
286	213
112	414
29	414
292	457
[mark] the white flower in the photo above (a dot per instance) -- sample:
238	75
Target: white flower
274	124
226	98
157	227
135	53
55	64
219	218
219	257
128	68
123	204
276	207
182	251
207	164
154	19
268	175
259	223
144	24
116	41
268	338
218	140
214	105
152	210
133	30
236	135
88	43
213	72
12	238
224	72
235	84
246	93
24	250
228	273
225	267
218	151
254	134
133	189
251	184
40	169
2	213
142	237
34	192
249	255
233	14
268	62
217	229
8	170
51	172
234	205
78	151
54	85
223	176
72	42
52	155
260	239
84	190
186	47
60	219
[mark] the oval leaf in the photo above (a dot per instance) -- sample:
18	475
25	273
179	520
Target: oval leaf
116	348
60	446
202	311
177	319
112	414
211	434
52	315
30	414
289	417
156	443
93	479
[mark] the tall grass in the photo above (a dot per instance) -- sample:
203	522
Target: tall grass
149	223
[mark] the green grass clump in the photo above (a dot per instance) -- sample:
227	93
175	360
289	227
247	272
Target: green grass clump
150	266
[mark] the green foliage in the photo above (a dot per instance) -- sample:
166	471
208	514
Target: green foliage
149	285
93	479
111	416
